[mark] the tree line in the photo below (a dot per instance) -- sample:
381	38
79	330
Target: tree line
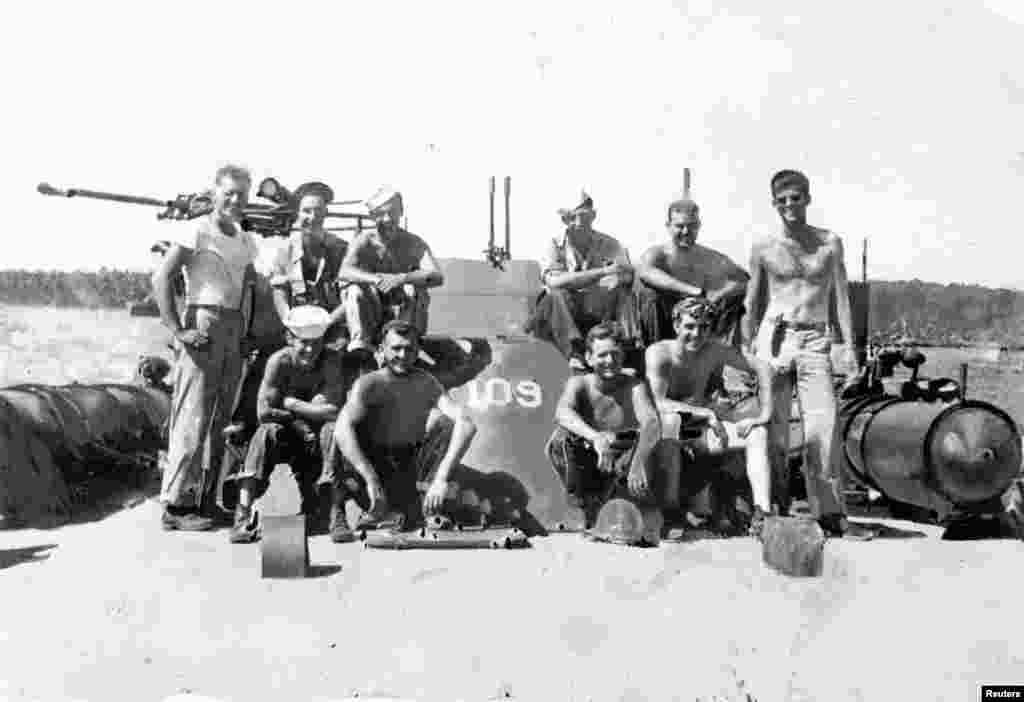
939	314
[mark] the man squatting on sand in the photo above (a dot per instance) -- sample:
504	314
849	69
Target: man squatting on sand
398	433
587	280
607	428
680	372
216	258
389	271
793	275
303	389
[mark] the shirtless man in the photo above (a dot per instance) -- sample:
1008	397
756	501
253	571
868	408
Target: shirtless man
305	271
679	372
389	271
793	275
681	267
607	426
397	430
587	279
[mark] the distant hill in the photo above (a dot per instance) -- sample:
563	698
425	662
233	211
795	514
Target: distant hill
947	315
938	314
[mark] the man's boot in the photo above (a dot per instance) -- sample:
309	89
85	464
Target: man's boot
243	531
184	519
338	527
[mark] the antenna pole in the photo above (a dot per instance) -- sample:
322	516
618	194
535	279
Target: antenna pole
864	262
508	218
491	239
686	183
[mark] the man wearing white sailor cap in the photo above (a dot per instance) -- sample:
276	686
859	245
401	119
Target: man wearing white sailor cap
390	270
304	386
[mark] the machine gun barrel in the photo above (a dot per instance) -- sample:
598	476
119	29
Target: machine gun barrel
47	189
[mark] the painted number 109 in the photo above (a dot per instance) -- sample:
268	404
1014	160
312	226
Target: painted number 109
498	392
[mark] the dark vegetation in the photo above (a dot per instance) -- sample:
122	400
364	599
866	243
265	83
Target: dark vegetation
942	315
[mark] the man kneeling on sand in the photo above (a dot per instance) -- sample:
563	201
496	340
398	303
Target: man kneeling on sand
679	371
398	433
302	391
607	427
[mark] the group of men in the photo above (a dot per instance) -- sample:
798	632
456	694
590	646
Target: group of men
696	312
344	402
353	317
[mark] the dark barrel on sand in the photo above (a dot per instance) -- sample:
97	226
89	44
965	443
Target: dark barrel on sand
931	454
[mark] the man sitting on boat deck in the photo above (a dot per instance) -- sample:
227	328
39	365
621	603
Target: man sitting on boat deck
607	427
305	272
680	267
299	399
587	279
694	430
793	276
216	258
398	433
389	271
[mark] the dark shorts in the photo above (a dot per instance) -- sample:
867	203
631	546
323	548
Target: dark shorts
576	462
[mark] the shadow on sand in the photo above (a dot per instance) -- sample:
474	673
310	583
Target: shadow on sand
13	556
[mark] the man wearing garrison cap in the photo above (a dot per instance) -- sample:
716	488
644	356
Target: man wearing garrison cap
794	273
587	280
389	271
303	389
680	267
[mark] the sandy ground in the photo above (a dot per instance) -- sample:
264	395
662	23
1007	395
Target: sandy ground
120	610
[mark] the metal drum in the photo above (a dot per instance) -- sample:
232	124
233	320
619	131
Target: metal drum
930	454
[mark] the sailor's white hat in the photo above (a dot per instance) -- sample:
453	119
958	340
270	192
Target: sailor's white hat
307	321
384	199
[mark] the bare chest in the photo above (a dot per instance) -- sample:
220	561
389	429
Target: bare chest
788	260
689	379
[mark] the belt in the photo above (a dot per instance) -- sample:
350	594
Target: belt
216	308
803	326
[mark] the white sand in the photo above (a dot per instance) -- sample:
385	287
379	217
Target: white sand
124	611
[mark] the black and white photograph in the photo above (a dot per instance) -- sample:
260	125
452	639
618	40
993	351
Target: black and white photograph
478	351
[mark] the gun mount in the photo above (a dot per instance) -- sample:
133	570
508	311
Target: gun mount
268	220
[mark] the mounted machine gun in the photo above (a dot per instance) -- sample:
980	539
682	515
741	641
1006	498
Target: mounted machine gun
268	220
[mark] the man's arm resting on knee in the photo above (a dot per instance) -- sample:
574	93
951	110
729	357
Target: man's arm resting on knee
462	435
649	435
567	413
269	400
429	274
650	271
658	372
557	279
317	410
352	269
351	416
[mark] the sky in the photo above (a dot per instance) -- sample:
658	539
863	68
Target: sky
906	116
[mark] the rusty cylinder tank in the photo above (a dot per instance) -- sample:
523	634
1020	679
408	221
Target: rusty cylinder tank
931	454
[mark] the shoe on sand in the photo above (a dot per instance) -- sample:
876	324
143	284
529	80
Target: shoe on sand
174	519
243	531
339	530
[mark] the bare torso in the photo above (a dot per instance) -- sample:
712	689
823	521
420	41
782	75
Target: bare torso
799	274
697	265
687	374
397	408
608	407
